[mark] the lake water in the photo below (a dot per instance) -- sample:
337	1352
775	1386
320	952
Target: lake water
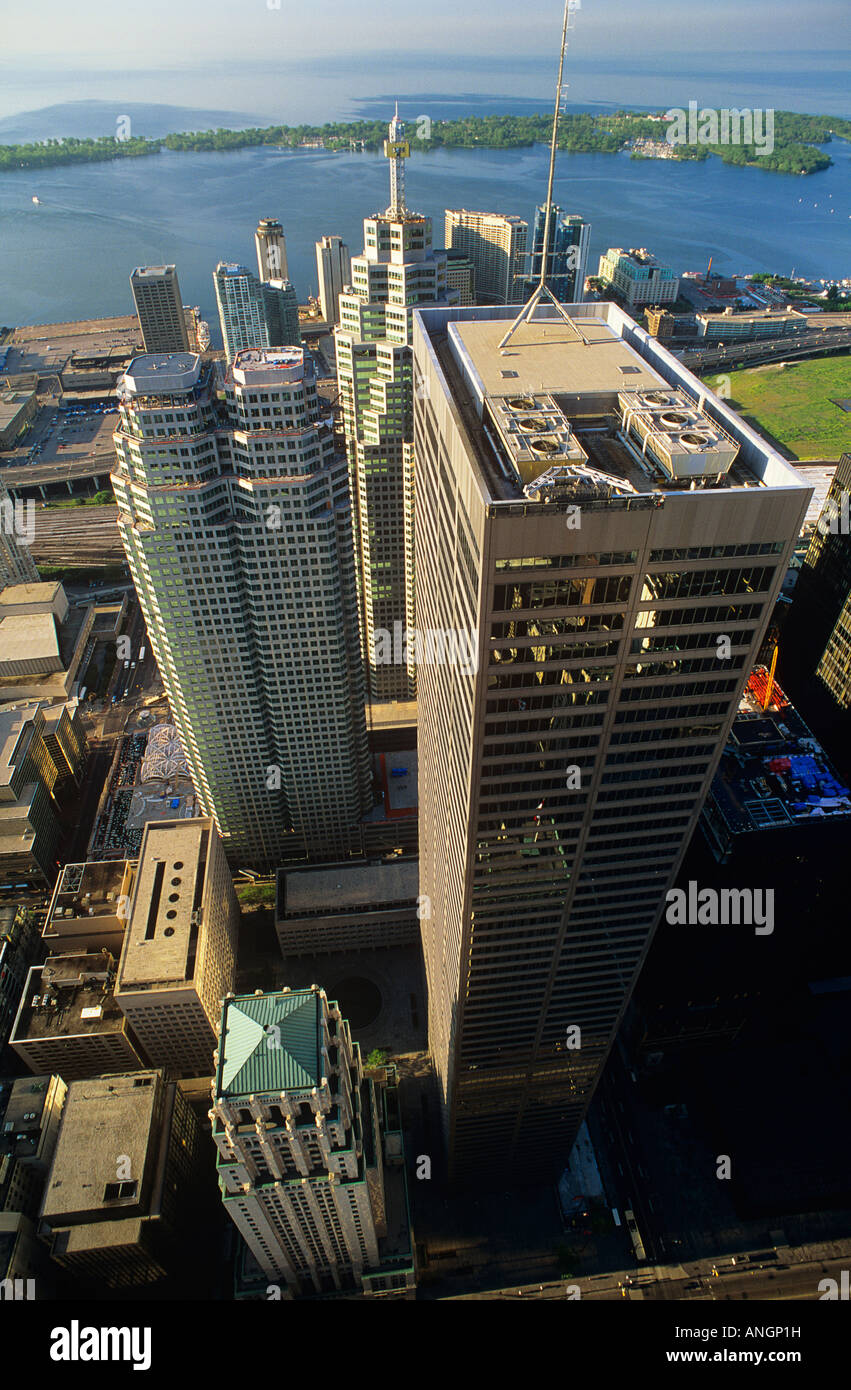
70	257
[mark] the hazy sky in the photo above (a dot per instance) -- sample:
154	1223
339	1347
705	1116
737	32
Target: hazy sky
99	33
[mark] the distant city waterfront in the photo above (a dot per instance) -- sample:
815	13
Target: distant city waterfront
70	255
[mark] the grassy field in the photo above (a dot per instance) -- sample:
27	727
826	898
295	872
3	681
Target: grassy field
792	404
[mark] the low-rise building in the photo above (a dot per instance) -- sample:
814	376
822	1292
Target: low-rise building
68	1021
347	907
90	906
17	408
122	1178
732	327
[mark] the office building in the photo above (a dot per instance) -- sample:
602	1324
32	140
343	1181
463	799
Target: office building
179	956
238	536
398	270
254	314
496	245
17	409
43	641
310	1158
334	268
636	278
68	1021
17	565
19	949
123	1180
592	518
156	294
30	1115
567	262
460	279
271	246
730	327
42	757
89	908
347	907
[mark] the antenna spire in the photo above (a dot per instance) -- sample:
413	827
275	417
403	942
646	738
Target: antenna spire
543	290
397	149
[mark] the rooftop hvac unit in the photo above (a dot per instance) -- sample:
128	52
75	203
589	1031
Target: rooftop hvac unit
676	434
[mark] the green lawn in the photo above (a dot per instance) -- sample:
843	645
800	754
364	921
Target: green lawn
792	404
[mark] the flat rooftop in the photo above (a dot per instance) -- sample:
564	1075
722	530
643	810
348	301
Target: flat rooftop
546	357
152	373
103	1117
76	1007
339	890
774	773
22	1103
592	379
88	890
161	940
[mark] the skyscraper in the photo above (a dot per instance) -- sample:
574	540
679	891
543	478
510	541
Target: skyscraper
567	263
254	315
397	271
156	294
334	268
236	522
613	537
17	565
497	247
310	1159
271	247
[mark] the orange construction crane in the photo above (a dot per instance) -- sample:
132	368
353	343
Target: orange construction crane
770	685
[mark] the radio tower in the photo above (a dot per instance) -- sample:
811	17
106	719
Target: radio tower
543	290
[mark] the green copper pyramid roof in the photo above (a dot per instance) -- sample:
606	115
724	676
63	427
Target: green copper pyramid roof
270	1042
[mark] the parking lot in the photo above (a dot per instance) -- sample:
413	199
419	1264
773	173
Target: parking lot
73	434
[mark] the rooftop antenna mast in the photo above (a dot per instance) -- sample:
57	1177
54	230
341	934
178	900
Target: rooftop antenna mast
543	290
397	150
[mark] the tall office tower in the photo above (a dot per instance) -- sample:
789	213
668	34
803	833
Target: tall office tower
334	267
156	294
236	522
497	247
461	278
614	537
124	1179
179	956
398	270
17	565
310	1158
254	315
567	262
271	247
